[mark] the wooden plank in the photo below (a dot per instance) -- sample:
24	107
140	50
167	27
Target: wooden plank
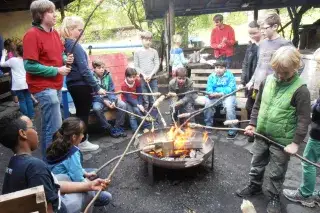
4	95
29	200
5	78
203	78
209	71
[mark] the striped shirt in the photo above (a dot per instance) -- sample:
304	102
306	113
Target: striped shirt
146	61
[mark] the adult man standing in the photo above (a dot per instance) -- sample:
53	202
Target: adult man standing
222	40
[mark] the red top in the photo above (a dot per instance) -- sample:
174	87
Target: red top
217	35
125	87
46	48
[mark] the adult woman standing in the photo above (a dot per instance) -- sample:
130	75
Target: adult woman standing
80	81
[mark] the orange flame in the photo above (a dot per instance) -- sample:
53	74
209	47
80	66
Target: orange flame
179	137
205	137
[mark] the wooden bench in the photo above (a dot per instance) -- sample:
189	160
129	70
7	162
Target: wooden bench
200	78
28	200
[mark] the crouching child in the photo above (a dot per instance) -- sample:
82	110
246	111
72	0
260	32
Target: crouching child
110	101
221	82
25	171
181	84
282	113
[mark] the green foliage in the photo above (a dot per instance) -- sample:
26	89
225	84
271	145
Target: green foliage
236	18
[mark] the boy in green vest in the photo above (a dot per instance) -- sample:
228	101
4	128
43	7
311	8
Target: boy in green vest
282	113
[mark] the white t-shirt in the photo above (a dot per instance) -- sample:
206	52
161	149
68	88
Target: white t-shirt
18	72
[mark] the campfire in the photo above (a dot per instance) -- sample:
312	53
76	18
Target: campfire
178	145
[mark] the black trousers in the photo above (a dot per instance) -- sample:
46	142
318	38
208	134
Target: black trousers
82	99
249	103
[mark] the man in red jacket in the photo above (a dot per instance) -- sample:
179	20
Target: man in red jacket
222	40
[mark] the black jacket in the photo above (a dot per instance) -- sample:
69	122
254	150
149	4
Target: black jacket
249	63
315	124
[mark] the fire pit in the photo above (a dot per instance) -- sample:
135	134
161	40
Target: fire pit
175	150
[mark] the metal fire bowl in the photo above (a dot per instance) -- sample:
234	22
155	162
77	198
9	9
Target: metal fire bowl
160	135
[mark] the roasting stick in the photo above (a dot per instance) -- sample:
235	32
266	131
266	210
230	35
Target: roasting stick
135	93
149	118
197	112
162	119
155	104
195	125
147	148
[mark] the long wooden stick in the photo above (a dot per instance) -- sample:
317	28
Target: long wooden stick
149	118
197	112
159	112
135	93
194	125
155	104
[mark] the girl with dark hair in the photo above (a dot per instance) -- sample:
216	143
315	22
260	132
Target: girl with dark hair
64	156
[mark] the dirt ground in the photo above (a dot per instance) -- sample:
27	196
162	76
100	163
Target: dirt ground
195	190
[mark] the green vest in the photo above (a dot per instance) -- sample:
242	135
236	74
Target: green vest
277	119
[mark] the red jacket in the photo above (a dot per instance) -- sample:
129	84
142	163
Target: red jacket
217	35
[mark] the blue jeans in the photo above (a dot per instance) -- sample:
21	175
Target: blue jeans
25	102
148	99
229	104
133	119
51	120
99	107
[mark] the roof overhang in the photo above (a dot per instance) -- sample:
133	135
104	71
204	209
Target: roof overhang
156	9
19	5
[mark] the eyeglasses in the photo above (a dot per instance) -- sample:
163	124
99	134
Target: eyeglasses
265	28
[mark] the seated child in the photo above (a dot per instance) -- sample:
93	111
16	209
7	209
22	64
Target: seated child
64	157
281	112
110	101
134	102
181	84
220	83
177	59
25	171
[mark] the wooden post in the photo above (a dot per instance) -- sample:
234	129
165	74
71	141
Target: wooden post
171	19
255	14
62	10
29	200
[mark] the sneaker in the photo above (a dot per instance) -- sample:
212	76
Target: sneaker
86	146
231	135
296	196
274	205
250	190
113	132
316	198
250	139
121	132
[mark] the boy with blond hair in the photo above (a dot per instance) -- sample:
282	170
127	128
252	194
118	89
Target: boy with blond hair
44	61
282	113
146	62
306	193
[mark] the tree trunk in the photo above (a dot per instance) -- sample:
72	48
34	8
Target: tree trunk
62	10
296	20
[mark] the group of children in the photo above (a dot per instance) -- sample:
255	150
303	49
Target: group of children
281	111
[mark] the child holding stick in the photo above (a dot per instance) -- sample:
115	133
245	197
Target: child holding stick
282	113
